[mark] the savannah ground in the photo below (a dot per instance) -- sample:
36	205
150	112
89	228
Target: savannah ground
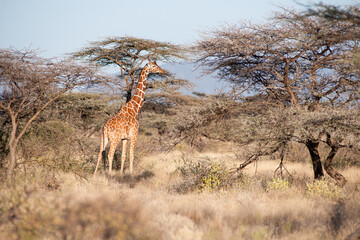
157	202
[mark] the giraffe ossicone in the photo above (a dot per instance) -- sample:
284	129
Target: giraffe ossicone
124	126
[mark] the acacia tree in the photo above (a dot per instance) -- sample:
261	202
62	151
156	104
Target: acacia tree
295	59
327	69
268	130
29	84
129	54
290	59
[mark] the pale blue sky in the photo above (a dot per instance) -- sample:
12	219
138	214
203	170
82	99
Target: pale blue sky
58	27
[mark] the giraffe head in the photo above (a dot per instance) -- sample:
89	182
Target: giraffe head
154	68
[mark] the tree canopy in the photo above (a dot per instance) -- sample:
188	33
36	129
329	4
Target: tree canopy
293	58
129	54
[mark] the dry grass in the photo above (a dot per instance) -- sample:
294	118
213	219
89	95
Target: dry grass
145	207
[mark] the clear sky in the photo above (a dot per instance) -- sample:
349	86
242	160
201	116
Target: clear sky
58	27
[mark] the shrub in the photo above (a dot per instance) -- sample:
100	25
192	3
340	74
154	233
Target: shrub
277	184
325	189
216	178
207	176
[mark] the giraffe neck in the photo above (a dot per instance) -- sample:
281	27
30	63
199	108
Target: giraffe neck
137	99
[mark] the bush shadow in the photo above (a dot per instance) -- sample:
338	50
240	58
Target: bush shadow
131	180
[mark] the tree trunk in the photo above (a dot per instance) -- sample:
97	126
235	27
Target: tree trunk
287	83
313	146
12	145
340	179
12	164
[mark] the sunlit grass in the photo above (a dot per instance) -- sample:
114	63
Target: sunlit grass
144	206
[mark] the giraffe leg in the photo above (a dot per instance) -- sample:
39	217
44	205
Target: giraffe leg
103	143
99	159
123	155
111	154
132	148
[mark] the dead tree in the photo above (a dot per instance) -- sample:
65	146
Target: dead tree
29	84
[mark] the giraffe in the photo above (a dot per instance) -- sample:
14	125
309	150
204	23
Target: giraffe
124	125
